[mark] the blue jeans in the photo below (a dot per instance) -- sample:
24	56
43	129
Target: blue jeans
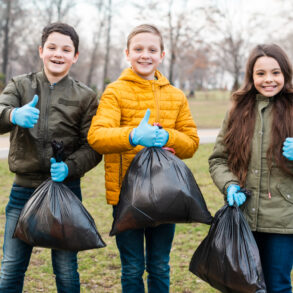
276	253
16	253
133	259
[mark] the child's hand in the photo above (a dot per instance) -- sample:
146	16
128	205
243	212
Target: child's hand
234	195
145	134
162	138
26	116
288	148
59	170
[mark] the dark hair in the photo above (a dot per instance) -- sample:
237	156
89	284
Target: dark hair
241	121
145	28
63	29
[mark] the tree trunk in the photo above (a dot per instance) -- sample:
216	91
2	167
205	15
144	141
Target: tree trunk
105	75
171	69
5	53
93	60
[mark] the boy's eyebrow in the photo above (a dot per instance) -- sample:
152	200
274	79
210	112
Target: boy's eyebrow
66	46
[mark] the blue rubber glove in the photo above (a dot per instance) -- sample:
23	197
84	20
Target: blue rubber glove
26	116
234	195
288	148
59	171
145	134
162	138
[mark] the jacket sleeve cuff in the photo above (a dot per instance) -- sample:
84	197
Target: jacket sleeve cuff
70	165
227	185
130	140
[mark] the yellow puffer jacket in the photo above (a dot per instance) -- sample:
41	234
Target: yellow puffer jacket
122	107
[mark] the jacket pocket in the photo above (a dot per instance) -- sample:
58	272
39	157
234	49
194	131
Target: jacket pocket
286	192
68	102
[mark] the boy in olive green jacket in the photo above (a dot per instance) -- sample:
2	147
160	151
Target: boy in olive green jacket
36	109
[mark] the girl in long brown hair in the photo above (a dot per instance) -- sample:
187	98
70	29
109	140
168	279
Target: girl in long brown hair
254	149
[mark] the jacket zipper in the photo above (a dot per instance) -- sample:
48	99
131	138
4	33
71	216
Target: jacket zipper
269	172
46	119
157	118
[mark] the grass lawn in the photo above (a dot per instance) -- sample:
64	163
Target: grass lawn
100	268
208	108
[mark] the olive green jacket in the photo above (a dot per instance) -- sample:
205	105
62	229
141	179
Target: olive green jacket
66	109
264	214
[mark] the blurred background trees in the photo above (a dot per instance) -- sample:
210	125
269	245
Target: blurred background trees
206	41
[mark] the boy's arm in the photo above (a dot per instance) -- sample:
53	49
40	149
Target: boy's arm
218	163
9	99
84	158
183	139
105	134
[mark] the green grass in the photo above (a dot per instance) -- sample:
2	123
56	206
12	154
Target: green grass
100	268
208	108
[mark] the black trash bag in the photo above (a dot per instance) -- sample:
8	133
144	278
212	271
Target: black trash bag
228	258
158	188
54	217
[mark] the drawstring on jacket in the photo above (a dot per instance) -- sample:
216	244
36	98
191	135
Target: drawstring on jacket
269	184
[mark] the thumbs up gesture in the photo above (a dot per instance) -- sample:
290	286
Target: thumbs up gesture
26	116
145	134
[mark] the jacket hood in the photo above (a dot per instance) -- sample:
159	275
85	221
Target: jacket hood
129	75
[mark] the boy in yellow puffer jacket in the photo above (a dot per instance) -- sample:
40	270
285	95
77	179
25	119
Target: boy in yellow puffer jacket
121	127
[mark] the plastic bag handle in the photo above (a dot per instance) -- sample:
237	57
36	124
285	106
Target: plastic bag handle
169	149
58	150
158	124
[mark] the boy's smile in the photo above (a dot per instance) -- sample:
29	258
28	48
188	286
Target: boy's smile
58	55
144	54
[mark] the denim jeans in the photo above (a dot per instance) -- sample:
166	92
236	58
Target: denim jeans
276	253
16	253
158	242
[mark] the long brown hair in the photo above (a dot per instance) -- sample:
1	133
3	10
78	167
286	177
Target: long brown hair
242	115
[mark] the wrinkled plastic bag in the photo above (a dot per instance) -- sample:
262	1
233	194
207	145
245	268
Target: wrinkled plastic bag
158	188
228	258
54	217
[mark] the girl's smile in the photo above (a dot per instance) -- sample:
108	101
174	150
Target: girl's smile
268	78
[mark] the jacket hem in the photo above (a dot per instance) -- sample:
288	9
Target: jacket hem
274	230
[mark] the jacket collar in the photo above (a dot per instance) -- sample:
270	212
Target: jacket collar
129	75
261	98
61	83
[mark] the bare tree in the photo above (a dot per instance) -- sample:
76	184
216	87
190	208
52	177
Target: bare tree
176	21
108	40
54	10
283	20
13	21
174	33
195	68
101	19
6	28
234	36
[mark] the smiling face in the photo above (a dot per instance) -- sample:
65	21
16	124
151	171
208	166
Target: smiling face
144	54
268	78
58	55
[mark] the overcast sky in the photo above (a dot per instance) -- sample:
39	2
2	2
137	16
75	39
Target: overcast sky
240	9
